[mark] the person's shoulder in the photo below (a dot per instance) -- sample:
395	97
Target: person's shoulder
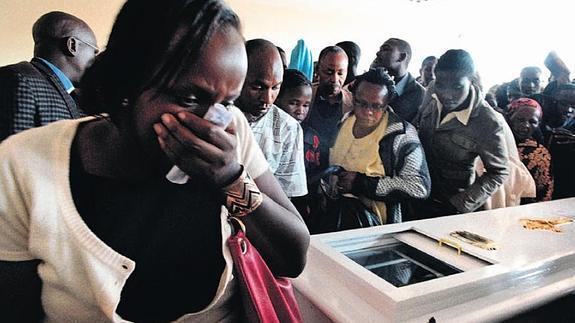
237	113
489	117
394	118
419	88
46	133
309	130
38	141
428	100
238	117
488	112
413	85
314	87
240	121
488	127
398	125
25	69
21	66
18	72
347	100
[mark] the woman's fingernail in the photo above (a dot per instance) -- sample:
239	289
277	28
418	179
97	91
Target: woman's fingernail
166	118
157	128
161	142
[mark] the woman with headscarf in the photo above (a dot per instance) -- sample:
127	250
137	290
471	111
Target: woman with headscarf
455	127
91	230
301	59
524	116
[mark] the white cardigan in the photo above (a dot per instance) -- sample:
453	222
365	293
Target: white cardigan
82	278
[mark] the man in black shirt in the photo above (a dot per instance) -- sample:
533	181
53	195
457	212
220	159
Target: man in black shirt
330	101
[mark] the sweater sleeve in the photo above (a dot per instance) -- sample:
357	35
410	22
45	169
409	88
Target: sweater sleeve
410	178
14	220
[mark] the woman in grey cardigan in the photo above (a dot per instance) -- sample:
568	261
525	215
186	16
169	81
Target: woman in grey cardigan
455	127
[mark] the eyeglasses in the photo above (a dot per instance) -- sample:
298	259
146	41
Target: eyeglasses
365	105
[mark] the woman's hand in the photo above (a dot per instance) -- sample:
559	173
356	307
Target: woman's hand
345	181
199	147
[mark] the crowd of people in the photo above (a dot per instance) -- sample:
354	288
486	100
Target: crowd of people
106	214
469	150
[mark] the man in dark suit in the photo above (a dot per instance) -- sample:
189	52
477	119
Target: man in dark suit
394	55
38	92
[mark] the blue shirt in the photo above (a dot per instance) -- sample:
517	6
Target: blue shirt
400	86
61	76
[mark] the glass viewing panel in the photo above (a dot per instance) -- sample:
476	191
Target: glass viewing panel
400	264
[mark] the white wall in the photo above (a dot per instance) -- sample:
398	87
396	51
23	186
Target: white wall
502	35
18	16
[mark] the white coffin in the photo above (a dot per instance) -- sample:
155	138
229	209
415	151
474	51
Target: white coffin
528	269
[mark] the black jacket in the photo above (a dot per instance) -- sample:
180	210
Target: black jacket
407	104
31	95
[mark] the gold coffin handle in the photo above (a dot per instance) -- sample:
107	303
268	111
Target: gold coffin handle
451	244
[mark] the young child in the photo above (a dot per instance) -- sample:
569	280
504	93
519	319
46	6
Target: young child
295	99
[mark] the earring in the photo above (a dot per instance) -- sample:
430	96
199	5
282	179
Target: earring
124	103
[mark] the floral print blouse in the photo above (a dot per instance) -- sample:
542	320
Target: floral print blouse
538	161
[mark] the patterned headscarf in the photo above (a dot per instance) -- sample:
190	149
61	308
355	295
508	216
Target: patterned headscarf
522	102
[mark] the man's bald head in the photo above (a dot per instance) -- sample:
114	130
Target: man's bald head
66	41
263	80
57	25
262	49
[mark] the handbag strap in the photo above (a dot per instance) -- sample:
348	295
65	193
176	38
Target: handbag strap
236	224
265	298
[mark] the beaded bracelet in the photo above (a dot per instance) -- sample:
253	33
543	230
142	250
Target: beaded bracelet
242	196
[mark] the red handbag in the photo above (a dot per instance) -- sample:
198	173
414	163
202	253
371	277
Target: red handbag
265	298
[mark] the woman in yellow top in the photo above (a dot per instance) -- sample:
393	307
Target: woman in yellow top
383	161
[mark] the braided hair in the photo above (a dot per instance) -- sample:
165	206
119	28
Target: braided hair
378	76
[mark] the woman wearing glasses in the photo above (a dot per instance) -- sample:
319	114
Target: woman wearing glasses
93	226
382	159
